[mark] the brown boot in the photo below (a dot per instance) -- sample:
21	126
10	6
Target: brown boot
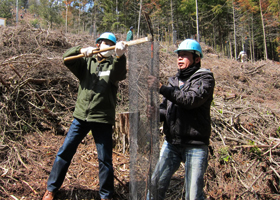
48	195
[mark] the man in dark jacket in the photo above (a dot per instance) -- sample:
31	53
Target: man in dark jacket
94	111
185	111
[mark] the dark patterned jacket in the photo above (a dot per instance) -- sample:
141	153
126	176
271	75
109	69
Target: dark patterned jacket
186	112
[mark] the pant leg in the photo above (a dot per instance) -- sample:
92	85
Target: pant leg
76	133
102	134
195	168
167	165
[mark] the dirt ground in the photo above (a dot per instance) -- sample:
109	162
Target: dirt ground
37	98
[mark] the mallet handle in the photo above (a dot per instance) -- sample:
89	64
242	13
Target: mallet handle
129	43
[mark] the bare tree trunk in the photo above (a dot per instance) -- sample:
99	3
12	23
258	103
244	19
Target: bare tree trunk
17	12
139	19
79	20
117	13
172	22
264	37
230	52
234	31
94	20
66	28
214	38
250	45
197	26
253	44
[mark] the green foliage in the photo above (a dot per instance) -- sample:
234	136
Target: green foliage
118	27
215	20
25	128
35	23
278	131
217	9
50	11
268	113
224	154
187	6
255	150
33	7
5	9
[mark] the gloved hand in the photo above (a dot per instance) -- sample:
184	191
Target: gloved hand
120	48
150	111
87	51
153	82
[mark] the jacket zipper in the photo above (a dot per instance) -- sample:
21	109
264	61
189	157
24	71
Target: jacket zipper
93	85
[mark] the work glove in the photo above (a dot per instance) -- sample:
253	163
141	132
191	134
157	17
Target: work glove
87	51
153	82
120	48
151	111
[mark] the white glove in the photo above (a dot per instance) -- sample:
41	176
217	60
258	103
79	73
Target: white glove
120	48
87	51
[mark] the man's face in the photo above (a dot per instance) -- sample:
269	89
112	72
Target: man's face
107	42
185	59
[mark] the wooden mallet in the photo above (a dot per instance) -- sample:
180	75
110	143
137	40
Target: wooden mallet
129	43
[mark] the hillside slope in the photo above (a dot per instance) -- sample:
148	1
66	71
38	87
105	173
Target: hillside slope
37	98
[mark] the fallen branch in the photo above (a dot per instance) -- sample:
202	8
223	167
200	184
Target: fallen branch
275	172
254	70
250	187
34	191
19	158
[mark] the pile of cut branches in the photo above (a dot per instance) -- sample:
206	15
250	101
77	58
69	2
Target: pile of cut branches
244	158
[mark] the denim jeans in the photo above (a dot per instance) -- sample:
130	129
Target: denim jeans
102	134
195	158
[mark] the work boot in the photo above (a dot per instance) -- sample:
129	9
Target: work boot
48	195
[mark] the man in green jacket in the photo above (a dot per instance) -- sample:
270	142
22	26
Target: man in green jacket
94	111
129	35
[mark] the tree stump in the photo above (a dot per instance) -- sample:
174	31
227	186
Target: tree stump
121	132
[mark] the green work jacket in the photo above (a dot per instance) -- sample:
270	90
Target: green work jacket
129	35
96	100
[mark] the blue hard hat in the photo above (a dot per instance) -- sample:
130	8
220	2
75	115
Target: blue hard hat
131	27
108	36
190	45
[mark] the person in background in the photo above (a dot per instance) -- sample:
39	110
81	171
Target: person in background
185	112
98	75
242	56
129	35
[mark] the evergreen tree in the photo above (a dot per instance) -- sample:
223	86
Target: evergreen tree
5	9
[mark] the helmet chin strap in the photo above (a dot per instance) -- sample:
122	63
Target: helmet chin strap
192	65
194	57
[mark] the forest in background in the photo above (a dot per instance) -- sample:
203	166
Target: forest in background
229	26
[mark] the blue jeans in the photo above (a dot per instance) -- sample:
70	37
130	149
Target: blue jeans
102	134
195	158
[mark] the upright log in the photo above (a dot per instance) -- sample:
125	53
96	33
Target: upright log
122	130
